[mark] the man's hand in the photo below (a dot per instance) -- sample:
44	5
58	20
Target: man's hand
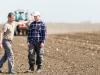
29	45
42	45
0	45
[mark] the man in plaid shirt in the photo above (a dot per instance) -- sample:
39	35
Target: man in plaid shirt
36	39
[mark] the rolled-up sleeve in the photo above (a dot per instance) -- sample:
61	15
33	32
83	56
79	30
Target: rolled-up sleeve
4	29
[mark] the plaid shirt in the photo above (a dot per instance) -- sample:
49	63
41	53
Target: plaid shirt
37	32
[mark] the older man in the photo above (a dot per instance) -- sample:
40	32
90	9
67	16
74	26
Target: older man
6	40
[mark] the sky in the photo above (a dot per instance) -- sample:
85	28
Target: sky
55	10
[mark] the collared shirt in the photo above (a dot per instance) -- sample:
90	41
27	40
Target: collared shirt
37	32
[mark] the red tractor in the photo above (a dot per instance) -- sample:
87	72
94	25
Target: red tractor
21	29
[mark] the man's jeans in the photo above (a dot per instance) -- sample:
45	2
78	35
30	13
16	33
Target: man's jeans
8	55
35	54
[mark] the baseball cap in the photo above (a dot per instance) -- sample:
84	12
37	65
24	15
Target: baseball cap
11	14
36	13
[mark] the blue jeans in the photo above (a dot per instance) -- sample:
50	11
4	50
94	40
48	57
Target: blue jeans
8	55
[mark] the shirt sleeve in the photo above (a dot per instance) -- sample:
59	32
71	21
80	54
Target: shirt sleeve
4	29
16	24
29	38
44	32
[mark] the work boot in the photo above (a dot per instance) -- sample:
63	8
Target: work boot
39	68
12	72
31	69
0	70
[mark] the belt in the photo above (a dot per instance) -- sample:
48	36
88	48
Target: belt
8	40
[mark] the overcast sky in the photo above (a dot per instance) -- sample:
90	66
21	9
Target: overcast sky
55	10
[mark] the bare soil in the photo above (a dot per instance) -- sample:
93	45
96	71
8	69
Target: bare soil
65	54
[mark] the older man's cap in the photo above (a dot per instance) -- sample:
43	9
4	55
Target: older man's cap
11	14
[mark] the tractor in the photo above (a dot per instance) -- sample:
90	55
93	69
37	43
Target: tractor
21	29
